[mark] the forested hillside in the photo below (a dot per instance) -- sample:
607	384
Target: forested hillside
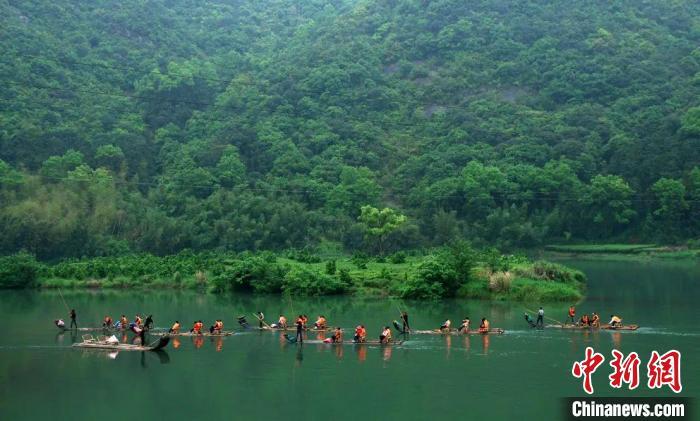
267	124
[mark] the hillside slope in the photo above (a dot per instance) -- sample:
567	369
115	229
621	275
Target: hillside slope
267	124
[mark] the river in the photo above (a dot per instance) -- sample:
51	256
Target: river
257	375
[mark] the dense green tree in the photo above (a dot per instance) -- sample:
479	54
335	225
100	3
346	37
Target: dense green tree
670	207
380	223
608	205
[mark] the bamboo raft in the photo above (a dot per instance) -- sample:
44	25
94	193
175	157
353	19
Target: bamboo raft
224	333
601	327
101	343
373	342
105	329
287	329
455	332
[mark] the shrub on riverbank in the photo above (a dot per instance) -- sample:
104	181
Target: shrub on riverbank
458	270
18	270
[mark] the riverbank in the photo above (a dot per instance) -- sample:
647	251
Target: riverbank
458	271
612	251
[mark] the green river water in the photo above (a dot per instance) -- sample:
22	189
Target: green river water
521	374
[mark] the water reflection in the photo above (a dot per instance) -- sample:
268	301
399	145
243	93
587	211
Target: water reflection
361	353
616	339
61	337
388	349
485	342
339	349
198	341
299	357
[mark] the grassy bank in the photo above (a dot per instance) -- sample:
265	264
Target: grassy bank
458	271
627	251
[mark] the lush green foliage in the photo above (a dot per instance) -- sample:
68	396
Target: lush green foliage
130	126
18	271
457	270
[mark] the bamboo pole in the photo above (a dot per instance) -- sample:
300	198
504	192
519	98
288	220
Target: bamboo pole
554	320
263	321
63	299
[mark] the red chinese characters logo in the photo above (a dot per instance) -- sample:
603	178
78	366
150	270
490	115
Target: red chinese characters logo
665	370
626	370
662	370
587	367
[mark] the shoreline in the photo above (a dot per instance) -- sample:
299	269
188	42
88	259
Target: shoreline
441	274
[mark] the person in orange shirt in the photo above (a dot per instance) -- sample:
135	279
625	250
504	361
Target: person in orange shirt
300	329
197	327
360	334
484	326
320	323
385	336
337	335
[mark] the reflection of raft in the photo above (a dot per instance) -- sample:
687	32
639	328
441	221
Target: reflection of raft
101	343
494	331
224	333
602	327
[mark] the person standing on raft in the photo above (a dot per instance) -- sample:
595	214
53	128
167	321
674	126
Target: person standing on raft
540	318
404	320
73	321
572	314
300	329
